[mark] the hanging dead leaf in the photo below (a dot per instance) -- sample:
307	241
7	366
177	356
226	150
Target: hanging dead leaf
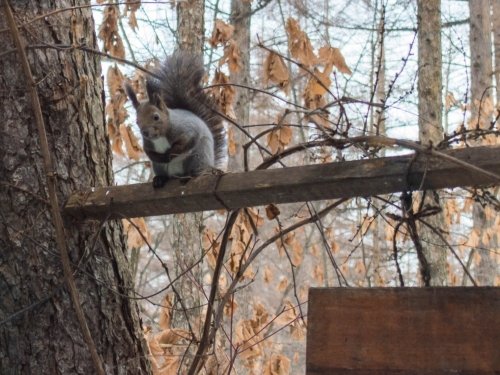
166	311
134	149
287	315
108	32
221	33
115	108
171	336
313	95
282	285
279	138
335	247
114	79
268	274
248	340
230	308
116	140
223	93
276	71
450	101
360	268
231	57
299	44
314	250
131	7
211	246
137	233
278	364
231	142
235	256
257	219
484	108
319	274
260	316
331	55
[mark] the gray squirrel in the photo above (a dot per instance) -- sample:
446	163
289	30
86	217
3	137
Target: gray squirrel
182	134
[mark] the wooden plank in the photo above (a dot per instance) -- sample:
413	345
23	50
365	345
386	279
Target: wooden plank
403	331
286	185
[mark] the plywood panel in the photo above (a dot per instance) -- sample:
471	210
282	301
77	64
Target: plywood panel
403	331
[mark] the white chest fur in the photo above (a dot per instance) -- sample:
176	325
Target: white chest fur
161	144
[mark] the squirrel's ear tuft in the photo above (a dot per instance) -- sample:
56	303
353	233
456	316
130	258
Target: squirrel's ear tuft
158	102
131	94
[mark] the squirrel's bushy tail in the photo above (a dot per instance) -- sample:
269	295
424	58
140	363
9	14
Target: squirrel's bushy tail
178	80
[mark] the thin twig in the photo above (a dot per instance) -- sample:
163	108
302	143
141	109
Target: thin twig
206	338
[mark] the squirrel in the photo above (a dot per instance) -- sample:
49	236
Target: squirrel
182	133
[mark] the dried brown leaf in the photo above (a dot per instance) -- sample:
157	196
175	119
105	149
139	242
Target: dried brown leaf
223	93
450	101
282	285
276	71
278	364
108	32
248	340
211	245
131	8
134	149
299	44
331	55
137	233
171	336
166	311
279	138
231	142
268	274
319	274
115	137
231	57
221	33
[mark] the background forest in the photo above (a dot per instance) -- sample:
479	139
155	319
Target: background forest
299	83
316	82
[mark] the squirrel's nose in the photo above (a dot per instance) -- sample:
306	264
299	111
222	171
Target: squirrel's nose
146	133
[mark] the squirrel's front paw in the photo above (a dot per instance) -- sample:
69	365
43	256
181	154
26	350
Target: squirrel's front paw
159	181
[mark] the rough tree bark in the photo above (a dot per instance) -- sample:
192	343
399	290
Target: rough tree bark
191	25
430	124
481	92
240	19
39	332
187	228
496	39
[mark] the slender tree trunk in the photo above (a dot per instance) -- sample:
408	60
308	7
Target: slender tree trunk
240	19
430	124
378	127
187	228
39	332
481	93
191	25
496	38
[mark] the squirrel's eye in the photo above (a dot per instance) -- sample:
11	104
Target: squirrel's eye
156	117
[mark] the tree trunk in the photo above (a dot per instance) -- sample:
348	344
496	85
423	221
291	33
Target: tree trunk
187	228
496	38
430	126
39	332
481	91
191	25
240	19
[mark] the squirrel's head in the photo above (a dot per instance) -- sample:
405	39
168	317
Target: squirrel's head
152	114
